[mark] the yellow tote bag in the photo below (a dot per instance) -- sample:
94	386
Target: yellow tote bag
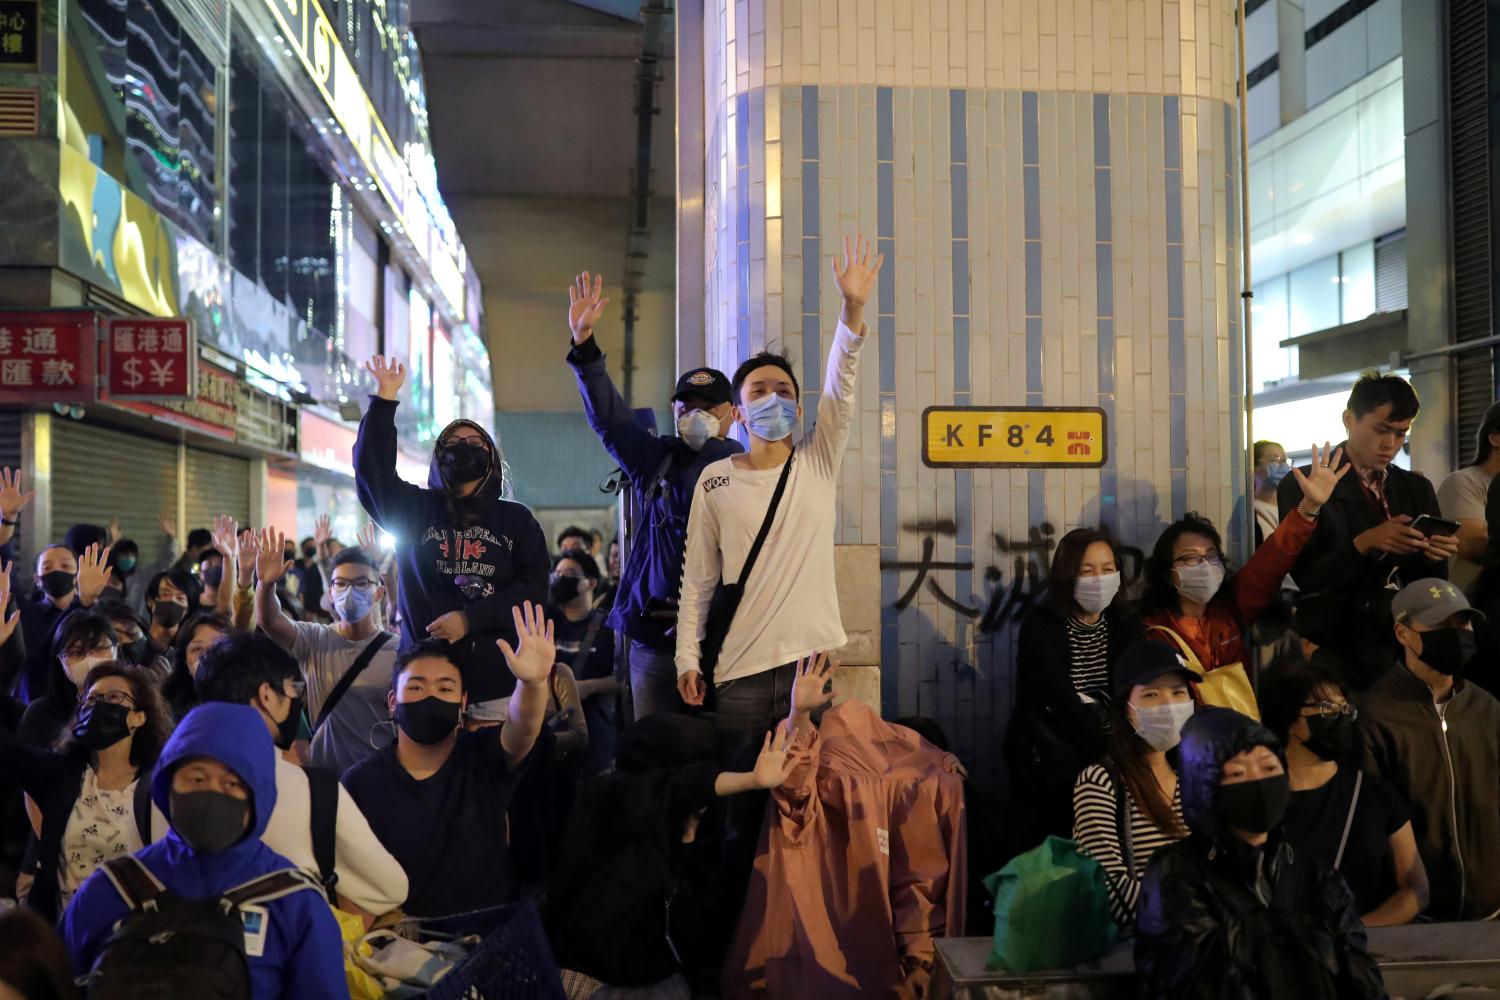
1227	686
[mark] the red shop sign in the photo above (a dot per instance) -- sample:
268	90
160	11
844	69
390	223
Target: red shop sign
48	357
151	358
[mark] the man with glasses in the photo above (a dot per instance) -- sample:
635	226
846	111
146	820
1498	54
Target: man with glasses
347	665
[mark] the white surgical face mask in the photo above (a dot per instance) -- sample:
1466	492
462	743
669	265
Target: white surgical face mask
695	427
1093	593
1201	582
79	669
1161	725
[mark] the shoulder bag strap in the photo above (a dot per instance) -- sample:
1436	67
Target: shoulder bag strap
596	622
323	812
1359	780
653	489
1122	819
134	882
765	526
355	669
271	886
1187	651
142	805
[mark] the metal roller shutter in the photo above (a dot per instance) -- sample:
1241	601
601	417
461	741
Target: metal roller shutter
99	473
216	484
1390	272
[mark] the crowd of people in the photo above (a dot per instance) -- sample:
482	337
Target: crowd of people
221	771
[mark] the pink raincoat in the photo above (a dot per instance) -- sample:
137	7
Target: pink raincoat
861	865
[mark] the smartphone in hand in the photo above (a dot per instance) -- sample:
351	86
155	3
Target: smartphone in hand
1430	526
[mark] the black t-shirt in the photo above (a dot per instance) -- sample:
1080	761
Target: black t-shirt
1315	822
447	831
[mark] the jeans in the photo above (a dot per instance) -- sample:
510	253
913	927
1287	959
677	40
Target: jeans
653	680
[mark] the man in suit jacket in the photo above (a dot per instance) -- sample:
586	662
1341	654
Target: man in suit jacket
1364	544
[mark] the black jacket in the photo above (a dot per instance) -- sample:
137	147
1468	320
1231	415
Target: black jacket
1221	919
1052	734
1448	767
53	780
1344	603
483	567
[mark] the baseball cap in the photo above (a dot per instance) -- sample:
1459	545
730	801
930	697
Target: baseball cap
1430	601
1144	661
703	383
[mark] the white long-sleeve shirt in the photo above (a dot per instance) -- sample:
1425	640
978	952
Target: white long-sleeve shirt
790	606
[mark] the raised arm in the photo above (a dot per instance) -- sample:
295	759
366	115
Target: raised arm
638	451
856	282
702	565
226	541
270	567
531	662
387	497
13	500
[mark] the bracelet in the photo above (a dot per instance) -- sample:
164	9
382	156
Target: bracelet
8	522
1311	515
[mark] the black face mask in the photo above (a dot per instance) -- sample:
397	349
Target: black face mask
102	724
286	729
463	463
1448	650
57	584
209	821
309	552
1331	738
428	721
168	614
212	575
565	589
1255	806
136	652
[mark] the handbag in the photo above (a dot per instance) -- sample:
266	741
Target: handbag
1226	687
1051	909
727	596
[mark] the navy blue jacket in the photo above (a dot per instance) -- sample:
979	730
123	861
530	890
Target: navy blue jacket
654	568
483	569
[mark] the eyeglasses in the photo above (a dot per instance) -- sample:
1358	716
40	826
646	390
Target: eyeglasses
567	576
298	688
363	584
1332	709
110	697
130	634
1193	559
72	655
477	442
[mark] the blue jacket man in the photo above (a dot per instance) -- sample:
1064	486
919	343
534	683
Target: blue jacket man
299	952
664	472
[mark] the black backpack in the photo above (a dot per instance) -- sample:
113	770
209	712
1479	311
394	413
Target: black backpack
170	948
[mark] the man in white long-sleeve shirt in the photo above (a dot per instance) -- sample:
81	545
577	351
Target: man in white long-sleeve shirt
790	604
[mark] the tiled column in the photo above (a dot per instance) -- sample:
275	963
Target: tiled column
1053	185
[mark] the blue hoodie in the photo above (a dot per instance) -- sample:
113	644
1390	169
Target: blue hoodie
303	955
483	556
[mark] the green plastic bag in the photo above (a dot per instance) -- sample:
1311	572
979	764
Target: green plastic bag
1051	909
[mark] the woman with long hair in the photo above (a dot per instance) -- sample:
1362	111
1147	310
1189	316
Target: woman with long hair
1127	806
1198	605
1351	820
88	788
196	634
1067	645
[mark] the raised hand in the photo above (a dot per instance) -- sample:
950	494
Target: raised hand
12	499
115	531
248	553
532	662
812	676
389	375
856	280
585	305
270	567
93	574
7	625
1318	483
226	536
369	539
322	532
168	525
776	760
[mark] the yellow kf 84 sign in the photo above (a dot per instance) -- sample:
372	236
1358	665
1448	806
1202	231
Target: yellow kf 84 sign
1018	437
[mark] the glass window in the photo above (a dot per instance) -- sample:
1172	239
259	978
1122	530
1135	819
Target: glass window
1314	296
1357	282
143	93
1268	328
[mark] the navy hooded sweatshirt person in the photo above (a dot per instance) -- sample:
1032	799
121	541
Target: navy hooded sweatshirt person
1232	912
466	556
220	755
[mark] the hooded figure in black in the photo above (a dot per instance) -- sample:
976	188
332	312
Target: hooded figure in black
1222	918
466	556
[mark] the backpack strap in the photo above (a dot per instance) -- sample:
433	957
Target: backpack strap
366	656
134	882
1187	651
1359	780
142	805
654	488
323	811
271	886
